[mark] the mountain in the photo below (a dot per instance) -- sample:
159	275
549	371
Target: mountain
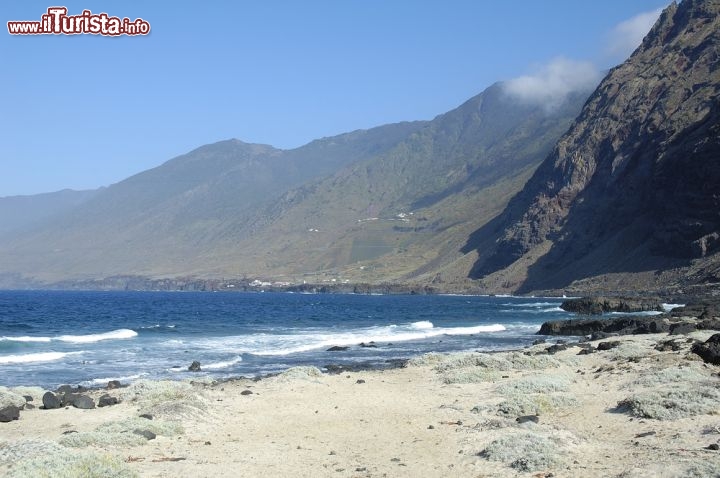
629	197
21	212
390	203
404	214
150	223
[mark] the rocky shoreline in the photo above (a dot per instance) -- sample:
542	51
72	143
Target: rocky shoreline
642	389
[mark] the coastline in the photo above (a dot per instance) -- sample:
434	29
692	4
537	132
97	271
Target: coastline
597	414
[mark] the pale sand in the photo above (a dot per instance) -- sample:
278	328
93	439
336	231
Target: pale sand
409	422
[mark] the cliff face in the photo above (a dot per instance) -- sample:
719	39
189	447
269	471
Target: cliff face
634	185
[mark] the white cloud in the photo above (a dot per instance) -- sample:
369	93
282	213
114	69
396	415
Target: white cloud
627	35
551	83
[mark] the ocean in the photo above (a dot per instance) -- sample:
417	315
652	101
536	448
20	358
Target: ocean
49	338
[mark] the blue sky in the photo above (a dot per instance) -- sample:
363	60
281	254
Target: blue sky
86	111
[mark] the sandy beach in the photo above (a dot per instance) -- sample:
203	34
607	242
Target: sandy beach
630	411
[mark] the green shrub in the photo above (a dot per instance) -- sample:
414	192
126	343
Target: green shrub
69	464
673	403
519	404
299	373
524	451
535	384
8	398
165	398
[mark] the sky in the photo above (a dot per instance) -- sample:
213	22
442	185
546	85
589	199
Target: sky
84	111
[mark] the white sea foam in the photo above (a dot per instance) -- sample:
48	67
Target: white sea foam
644	312
105	380
85	339
221	365
669	307
25	339
37	357
534	311
78	339
531	304
285	344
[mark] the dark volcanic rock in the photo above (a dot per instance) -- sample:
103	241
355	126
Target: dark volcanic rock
50	401
68	398
602	305
528	418
609	345
555	348
246	392
83	402
107	400
145	433
601	328
64	389
368	345
194	367
668	346
113	384
336	348
709	351
632	185
9	413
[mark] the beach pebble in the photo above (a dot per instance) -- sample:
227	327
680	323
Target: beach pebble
145	433
713	446
9	414
528	418
50	401
360	381
107	400
146	416
246	392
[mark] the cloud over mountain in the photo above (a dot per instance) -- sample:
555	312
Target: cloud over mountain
627	35
552	82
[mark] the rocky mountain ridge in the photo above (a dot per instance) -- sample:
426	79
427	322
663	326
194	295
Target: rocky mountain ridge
634	185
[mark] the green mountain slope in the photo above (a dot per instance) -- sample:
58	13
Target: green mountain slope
405	213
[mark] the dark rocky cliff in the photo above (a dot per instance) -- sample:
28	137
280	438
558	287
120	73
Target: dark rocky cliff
634	185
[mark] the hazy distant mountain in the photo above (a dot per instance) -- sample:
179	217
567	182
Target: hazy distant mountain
390	203
18	213
630	196
155	221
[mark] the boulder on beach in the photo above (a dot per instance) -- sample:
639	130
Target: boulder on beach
9	414
107	400
83	402
51	401
336	348
709	351
195	366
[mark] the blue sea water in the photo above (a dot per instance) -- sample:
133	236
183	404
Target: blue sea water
49	338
